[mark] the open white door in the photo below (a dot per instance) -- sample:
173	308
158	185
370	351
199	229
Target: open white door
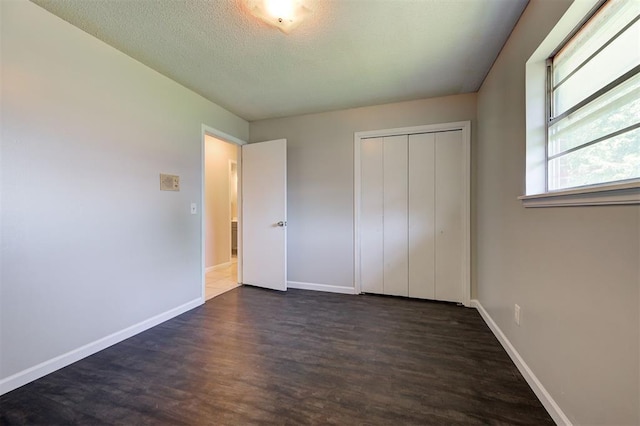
264	214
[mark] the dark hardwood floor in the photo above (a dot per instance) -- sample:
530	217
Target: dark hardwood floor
254	356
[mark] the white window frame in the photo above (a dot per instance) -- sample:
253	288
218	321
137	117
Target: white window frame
537	195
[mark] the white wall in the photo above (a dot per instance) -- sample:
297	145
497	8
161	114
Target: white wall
320	164
574	271
90	245
218	200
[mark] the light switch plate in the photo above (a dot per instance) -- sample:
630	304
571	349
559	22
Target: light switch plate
169	182
194	208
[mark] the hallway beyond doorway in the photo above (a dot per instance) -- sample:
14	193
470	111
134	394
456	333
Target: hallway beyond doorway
222	279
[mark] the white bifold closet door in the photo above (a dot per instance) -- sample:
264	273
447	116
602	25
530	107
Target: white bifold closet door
449	206
422	215
395	216
372	216
384	216
411	221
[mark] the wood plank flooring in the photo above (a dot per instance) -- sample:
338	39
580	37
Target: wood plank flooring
253	356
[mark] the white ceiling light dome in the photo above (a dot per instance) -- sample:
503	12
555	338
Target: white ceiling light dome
282	14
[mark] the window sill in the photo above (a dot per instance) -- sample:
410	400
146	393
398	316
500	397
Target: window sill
616	194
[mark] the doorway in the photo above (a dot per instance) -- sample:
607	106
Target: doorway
220	216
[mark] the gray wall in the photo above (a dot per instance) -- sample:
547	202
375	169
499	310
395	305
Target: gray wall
320	162
574	271
89	244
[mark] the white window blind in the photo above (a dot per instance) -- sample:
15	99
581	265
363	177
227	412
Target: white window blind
594	101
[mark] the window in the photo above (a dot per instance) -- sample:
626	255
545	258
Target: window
593	101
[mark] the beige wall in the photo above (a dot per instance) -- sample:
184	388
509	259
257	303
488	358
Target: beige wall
320	164
217	200
91	248
574	271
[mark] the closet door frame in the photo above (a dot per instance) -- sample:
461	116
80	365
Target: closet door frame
465	127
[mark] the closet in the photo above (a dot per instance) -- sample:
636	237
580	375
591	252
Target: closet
413	214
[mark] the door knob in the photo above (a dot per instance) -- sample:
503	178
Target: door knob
282	223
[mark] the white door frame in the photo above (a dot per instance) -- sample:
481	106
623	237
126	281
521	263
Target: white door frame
210	131
465	127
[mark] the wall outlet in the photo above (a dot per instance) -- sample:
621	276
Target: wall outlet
516	314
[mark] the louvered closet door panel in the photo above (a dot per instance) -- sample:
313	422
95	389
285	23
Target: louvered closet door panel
422	216
449	212
371	213
395	224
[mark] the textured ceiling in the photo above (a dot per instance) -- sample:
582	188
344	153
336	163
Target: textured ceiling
347	53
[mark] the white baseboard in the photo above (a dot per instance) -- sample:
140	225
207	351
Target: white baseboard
321	287
217	267
33	373
549	403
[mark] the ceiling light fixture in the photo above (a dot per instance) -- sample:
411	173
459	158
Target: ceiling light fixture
282	14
